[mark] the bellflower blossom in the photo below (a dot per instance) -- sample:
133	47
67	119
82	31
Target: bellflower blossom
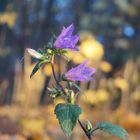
65	40
80	73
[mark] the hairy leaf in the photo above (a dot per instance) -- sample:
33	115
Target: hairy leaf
67	115
112	129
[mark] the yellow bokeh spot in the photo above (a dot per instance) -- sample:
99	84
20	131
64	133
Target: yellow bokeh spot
105	66
89	96
48	70
121	83
9	18
95	97
76	57
33	125
102	95
92	49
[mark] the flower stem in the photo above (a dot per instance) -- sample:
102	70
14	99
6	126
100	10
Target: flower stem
56	80
84	129
94	130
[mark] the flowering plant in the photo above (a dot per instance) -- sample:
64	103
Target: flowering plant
68	113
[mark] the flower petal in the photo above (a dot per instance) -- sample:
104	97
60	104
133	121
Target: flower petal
75	38
78	69
88	71
68	31
65	40
80	73
82	66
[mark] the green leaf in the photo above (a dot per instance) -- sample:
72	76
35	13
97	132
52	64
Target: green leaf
67	115
112	129
36	68
41	51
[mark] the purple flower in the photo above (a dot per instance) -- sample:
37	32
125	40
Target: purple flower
80	73
65	40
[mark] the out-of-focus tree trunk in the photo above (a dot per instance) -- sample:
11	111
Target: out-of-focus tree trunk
45	32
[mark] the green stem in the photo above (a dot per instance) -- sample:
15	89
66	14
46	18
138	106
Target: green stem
56	80
92	131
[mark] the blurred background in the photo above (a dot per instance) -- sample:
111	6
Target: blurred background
109	37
